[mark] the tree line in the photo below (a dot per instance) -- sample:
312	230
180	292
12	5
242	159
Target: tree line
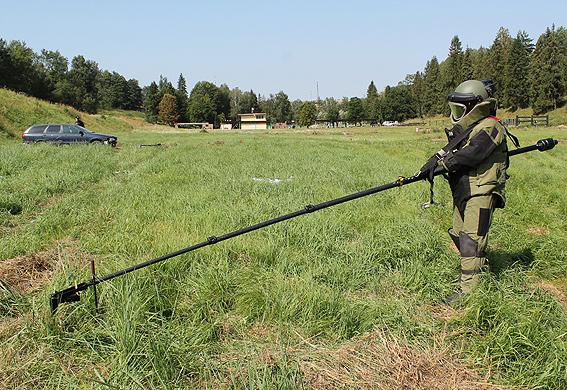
209	103
526	74
81	83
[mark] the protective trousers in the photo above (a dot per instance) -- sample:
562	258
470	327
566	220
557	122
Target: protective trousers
470	234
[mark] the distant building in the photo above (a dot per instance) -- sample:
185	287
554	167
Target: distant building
253	121
195	125
226	126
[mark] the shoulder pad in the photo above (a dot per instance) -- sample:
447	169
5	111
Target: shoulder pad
489	121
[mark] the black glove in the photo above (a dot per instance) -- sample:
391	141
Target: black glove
449	162
429	167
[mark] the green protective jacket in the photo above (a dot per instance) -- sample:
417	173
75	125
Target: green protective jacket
477	166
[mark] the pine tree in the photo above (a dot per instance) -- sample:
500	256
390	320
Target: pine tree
307	114
372	104
432	94
518	70
467	71
371	91
562	35
547	85
452	75
481	64
151	102
499	57
134	97
418	91
164	86
182	98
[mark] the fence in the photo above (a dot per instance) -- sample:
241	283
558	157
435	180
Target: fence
532	120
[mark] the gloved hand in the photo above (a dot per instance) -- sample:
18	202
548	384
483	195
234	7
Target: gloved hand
449	162
429	167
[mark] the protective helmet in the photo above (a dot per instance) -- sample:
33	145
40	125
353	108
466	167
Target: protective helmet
467	95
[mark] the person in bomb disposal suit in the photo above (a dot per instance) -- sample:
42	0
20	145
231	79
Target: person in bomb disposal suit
476	168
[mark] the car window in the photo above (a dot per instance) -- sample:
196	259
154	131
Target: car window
83	129
70	129
51	129
36	129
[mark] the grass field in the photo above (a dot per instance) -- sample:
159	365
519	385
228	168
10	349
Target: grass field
351	296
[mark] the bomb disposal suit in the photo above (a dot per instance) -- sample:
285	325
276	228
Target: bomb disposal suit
477	174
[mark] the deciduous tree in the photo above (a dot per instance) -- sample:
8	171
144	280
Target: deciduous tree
168	110
355	110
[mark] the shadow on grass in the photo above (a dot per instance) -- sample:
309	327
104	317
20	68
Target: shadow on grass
501	261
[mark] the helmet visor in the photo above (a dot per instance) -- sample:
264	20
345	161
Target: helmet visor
458	110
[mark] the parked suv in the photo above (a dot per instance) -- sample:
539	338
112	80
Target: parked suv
65	134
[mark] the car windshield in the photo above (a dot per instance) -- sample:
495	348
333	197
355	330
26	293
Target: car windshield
79	128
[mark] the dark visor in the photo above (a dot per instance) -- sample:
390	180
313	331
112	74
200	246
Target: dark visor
464	98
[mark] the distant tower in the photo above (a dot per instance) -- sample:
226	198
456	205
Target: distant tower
318	98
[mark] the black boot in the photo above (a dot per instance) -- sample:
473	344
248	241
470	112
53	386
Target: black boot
455	298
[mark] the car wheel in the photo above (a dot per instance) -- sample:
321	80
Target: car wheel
96	142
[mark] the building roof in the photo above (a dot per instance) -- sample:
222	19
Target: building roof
254	116
253	113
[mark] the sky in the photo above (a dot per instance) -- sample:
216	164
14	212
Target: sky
268	46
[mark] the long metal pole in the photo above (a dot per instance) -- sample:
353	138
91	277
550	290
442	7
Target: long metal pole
71	294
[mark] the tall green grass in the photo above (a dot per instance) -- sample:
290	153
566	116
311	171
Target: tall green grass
378	262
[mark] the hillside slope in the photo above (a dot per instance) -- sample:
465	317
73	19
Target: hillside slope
19	111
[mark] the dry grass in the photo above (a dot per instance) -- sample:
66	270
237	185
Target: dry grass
553	290
377	361
373	361
538	231
29	273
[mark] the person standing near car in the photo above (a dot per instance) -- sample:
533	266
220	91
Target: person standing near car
476	167
79	122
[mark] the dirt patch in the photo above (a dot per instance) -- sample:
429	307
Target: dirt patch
30	273
553	290
218	142
27	273
379	362
538	231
